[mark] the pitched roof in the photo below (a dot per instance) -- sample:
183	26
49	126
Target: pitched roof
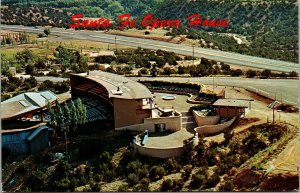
232	103
26	102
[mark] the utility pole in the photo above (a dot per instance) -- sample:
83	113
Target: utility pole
273	112
193	54
213	87
116	43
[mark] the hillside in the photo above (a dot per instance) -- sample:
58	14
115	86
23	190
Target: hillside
270	27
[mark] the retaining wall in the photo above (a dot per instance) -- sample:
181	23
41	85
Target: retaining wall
214	129
205	120
172	123
157	152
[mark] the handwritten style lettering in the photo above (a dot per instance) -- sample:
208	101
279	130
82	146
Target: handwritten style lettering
77	18
195	20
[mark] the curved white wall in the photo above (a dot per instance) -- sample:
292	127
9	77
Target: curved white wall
214	129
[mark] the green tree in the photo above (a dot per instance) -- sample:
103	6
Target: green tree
67	118
24	56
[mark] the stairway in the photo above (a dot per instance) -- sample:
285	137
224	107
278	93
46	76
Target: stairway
188	121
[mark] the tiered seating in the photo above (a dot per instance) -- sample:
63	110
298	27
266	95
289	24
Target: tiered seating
173	88
97	109
99	91
84	87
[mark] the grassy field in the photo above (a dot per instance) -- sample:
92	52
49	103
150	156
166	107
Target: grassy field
44	47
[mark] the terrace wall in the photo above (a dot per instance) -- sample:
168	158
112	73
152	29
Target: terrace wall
214	129
205	120
172	123
157	152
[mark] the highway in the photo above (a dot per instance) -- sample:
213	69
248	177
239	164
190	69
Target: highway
221	56
285	90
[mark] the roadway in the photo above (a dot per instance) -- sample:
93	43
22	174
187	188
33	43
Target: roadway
221	56
285	90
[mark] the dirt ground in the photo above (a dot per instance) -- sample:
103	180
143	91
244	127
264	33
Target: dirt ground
288	159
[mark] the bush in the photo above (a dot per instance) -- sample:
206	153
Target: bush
198	180
212	181
237	72
156	172
143	172
45	157
227	186
63	185
251	73
132	179
123	188
187	170
12	87
105	157
133	166
266	73
98	177
171	166
172	185
95	187
293	74
30	69
37	181
143	71
23	167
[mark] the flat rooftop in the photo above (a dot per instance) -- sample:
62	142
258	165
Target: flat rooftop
232	103
168	140
118	86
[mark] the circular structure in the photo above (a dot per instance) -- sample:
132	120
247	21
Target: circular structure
169	97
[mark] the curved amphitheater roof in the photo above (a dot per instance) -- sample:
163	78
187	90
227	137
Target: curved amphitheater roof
118	86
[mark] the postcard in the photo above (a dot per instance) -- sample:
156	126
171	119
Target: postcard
151	96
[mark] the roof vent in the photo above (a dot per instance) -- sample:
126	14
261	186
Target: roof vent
24	103
117	92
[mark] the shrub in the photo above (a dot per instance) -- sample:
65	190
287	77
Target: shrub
123	188
172	185
98	177
167	185
156	172
23	167
226	186
62	185
266	73
143	172
187	169
212	181
132	179
95	187
133	166
171	165
45	157
237	72
37	181
105	157
198	180
144	71
251	73
12	87
293	74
